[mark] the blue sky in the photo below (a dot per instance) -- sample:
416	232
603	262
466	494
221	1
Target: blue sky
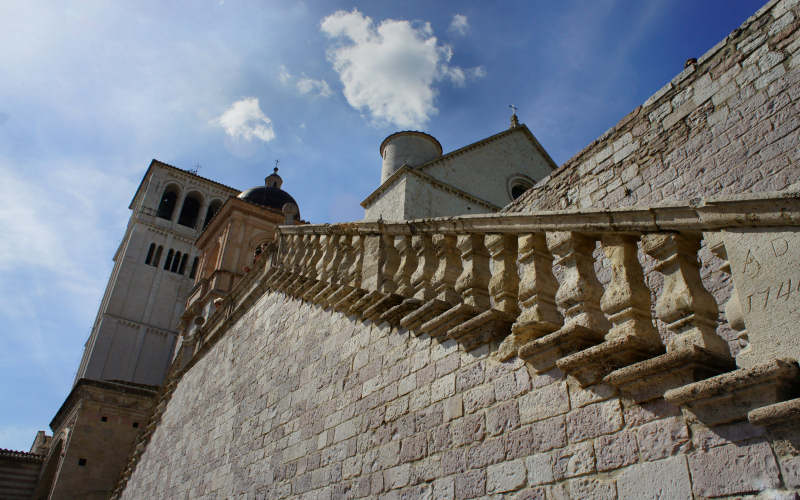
90	92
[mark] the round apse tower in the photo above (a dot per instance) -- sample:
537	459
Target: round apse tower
407	148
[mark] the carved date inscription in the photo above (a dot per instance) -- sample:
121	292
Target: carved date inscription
783	292
765	264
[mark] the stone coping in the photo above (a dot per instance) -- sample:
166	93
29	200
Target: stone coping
20	456
745	210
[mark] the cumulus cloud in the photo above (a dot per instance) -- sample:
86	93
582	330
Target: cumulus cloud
245	120
459	24
304	84
307	85
390	69
283	75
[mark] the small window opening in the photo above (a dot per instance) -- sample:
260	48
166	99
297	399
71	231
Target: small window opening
189	211
135	425
157	258
176	262
167	204
82	462
150	252
517	190
104	419
193	272
168	261
183	264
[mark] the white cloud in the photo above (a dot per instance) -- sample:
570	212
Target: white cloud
459	24
304	84
283	75
244	119
390	70
307	85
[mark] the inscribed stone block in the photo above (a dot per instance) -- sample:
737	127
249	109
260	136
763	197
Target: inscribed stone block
766	275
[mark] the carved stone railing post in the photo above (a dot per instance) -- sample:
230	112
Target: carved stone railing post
421	279
426	266
578	296
473	283
355	272
382	296
733	308
405	270
539	314
442	283
331	273
684	304
494	322
289	270
695	352
626	302
504	283
305	266
343	271
471	286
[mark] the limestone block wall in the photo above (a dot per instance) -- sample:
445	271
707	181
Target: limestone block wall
728	124
299	402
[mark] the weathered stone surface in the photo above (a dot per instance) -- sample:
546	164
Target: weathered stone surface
540	469
505	477
574	460
657	480
546	402
732	469
764	270
594	420
616	450
470	484
663	438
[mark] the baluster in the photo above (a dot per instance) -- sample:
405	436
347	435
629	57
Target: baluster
578	295
331	276
539	315
434	280
327	246
498	280
474	282
405	270
289	268
309	267
504	283
353	284
426	266
343	271
684	304
381	298
408	263
626	300
471	285
732	308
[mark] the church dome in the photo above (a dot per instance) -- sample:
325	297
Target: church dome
270	194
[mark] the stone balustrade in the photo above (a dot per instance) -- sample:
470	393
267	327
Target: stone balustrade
528	285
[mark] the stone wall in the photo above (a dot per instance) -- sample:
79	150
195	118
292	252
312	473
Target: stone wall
297	401
725	125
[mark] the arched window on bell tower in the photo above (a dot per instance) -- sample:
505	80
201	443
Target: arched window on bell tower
167	204
190	210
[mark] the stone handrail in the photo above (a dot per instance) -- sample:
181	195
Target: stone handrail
492	278
529	284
